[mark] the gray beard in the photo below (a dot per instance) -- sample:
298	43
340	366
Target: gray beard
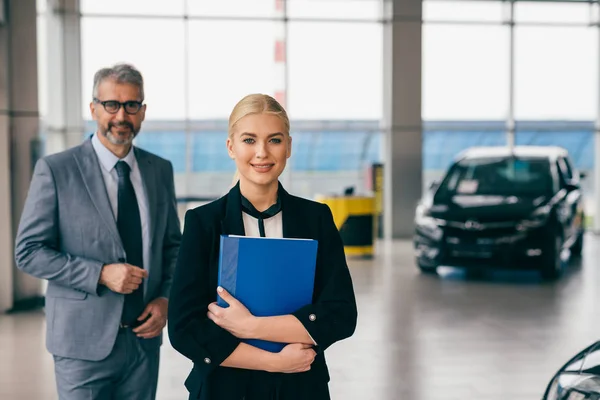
117	141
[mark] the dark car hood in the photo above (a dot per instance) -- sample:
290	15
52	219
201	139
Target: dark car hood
485	208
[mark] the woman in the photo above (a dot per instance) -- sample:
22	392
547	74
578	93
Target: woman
225	367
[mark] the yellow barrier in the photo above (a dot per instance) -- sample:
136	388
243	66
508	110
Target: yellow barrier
354	218
377	187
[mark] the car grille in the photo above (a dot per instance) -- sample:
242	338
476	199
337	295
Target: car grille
483	243
485	232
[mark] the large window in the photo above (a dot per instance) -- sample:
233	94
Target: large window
233	9
556	73
489	63
485	63
335	71
159	8
199	58
225	65
464	11
367	10
154	45
553	13
465	72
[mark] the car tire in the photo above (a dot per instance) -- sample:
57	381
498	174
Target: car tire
551	267
577	247
427	269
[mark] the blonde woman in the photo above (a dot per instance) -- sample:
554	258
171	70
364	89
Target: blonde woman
210	336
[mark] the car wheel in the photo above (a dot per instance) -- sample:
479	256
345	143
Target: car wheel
551	260
577	247
427	269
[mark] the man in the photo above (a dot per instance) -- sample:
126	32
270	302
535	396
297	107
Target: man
100	224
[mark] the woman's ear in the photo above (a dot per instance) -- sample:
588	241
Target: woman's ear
289	147
229	144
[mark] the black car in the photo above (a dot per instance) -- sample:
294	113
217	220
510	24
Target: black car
578	379
519	207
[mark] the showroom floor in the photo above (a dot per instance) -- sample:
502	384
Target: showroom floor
419	337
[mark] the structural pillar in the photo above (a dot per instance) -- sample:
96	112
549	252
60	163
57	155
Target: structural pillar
18	137
510	120
280	71
63	125
596	225
402	124
6	237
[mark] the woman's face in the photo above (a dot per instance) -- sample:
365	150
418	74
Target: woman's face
260	148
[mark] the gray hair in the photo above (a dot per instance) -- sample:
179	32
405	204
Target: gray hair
122	73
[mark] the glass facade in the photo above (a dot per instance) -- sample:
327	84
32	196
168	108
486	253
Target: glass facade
488	63
484	63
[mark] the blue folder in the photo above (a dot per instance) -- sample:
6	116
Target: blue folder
270	276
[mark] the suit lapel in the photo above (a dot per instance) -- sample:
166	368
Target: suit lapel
149	177
293	219
89	167
232	223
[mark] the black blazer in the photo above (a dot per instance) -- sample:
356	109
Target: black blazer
195	282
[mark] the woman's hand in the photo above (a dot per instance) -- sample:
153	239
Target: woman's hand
236	318
295	357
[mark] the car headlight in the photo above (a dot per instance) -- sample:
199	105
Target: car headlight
428	225
577	396
538	218
553	390
563	385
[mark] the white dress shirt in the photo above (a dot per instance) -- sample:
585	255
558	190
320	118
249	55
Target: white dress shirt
111	180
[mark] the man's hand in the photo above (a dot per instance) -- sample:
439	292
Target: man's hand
236	318
122	278
157	311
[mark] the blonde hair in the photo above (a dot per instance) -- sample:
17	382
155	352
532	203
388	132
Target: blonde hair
256	104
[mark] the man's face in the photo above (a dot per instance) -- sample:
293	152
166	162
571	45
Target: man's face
120	127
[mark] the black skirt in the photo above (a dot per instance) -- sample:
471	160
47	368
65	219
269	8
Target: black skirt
266	386
260	385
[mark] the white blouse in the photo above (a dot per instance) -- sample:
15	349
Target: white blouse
273	225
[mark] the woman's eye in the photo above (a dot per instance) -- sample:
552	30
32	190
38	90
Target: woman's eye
249	140
276	140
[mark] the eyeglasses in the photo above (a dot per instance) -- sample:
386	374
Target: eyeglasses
113	106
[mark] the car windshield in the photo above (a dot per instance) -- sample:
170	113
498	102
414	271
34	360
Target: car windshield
499	176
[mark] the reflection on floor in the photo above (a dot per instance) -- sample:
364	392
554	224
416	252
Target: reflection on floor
419	337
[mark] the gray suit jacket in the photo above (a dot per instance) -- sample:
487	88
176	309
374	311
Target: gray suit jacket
68	232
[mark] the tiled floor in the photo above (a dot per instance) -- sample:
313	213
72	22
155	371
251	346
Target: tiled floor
419	337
